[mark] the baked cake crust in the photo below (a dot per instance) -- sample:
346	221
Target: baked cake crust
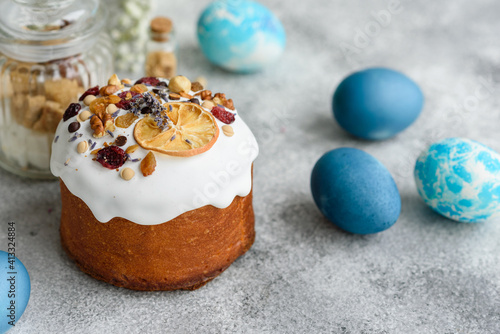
183	253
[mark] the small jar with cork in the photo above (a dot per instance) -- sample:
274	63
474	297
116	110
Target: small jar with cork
161	50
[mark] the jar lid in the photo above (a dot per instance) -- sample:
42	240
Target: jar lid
41	31
161	25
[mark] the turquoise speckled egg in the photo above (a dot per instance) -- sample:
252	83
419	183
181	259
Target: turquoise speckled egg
240	35
15	289
460	179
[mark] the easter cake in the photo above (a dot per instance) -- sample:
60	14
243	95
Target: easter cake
156	183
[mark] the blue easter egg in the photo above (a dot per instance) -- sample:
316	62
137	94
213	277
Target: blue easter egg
240	35
460	179
15	288
355	191
377	103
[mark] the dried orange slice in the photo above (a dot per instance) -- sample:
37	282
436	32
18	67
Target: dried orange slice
190	131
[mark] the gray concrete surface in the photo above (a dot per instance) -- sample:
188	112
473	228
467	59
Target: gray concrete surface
424	275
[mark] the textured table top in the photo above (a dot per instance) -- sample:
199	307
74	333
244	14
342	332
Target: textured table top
426	274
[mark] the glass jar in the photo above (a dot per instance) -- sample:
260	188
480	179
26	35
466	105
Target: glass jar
128	27
161	49
50	52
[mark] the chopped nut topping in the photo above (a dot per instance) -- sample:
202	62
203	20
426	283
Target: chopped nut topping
208	104
114	81
88	99
127	174
228	130
82	147
109	90
220	98
139	88
102	123
111	109
83	116
205	94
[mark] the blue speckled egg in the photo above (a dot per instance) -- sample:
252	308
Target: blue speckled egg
460	179
377	103
240	35
355	191
15	288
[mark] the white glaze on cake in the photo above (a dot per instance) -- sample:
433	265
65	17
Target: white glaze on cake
178	185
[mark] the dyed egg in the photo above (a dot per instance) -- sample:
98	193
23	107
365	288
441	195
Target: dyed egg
355	191
377	103
240	36
460	179
15	290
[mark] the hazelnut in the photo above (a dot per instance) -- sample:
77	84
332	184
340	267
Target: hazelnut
179	84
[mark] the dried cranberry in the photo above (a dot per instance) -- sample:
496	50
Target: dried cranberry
152	81
223	115
72	110
91	91
124	94
111	157
125	104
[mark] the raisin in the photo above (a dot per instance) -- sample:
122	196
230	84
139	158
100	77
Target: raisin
73	126
120	141
71	111
91	91
223	115
152	81
111	157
